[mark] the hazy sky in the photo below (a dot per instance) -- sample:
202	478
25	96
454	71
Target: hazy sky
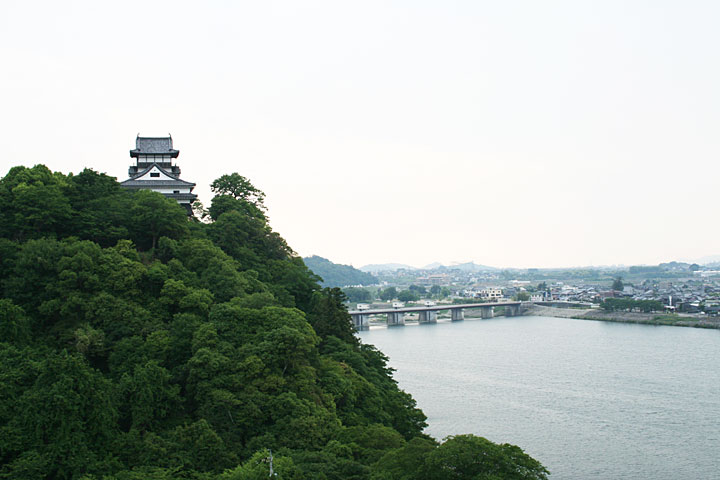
511	133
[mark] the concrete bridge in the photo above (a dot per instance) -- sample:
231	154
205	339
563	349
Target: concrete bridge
396	316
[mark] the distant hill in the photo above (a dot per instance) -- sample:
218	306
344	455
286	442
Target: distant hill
472	267
433	266
336	275
386	267
390	267
465	267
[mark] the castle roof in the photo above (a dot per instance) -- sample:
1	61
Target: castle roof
137	181
154	146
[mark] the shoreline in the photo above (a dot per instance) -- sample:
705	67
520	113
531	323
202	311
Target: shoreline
672	320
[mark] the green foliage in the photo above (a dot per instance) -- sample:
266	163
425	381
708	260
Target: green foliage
618	284
357	294
235	192
627	304
135	343
34	204
64	419
154	215
329	317
470	457
408	296
336	275
259	465
388	294
459	457
522	296
14	325
239	188
644	269
405	463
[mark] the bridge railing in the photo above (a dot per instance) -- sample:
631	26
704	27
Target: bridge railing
434	308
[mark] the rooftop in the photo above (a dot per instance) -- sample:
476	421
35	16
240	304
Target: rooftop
154	146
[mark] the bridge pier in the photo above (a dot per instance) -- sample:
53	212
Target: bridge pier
427	316
512	310
457	314
487	312
395	318
360	321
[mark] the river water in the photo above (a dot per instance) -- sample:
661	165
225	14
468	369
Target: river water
590	400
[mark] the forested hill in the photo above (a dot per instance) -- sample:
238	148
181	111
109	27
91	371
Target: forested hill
336	275
138	344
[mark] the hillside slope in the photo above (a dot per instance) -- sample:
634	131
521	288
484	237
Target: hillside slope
136	344
337	275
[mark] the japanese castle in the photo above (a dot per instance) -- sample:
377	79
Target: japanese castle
154	170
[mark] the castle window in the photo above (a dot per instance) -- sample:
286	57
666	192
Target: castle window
154	174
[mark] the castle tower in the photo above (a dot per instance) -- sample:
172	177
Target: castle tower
154	170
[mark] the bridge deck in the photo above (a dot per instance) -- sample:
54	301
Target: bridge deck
434	308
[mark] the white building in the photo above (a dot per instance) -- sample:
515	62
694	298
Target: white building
537	297
491	293
154	170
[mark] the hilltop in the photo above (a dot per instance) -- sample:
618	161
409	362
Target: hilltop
337	275
136	343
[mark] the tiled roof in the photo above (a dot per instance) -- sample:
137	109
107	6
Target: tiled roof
131	182
156	183
154	145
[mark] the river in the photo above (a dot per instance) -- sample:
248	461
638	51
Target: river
588	399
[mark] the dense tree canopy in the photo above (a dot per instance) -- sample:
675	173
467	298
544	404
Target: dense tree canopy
358	294
138	344
628	304
336	275
388	294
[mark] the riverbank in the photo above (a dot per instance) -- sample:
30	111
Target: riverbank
675	320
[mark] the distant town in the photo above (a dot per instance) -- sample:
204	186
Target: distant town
670	287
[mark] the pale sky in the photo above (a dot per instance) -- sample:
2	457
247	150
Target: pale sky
509	133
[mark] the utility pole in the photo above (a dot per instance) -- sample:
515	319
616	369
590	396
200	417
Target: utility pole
269	460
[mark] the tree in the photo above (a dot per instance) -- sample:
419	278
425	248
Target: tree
262	465
355	294
470	457
33	202
200	212
66	417
328	315
102	209
181	362
336	275
155	216
522	296
388	294
235	187
405	463
618	284
627	304
435	290
407	296
14	325
239	188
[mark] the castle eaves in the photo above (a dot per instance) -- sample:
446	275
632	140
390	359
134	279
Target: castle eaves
154	146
